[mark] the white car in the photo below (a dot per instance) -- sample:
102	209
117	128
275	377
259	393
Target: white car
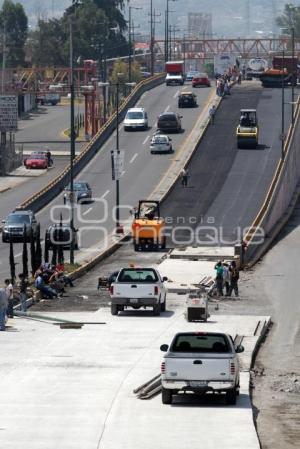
136	118
161	143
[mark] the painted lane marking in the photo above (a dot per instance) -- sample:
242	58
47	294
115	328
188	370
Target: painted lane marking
146	140
87	211
176	95
105	194
167	108
133	158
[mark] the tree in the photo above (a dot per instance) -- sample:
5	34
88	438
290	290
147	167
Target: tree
93	37
48	43
12	262
14	26
289	19
25	253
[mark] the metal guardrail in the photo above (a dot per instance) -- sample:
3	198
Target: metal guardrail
49	192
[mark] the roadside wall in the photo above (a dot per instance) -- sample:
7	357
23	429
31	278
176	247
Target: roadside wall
281	191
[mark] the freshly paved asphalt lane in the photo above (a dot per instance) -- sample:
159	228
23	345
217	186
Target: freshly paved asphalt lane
142	172
227	185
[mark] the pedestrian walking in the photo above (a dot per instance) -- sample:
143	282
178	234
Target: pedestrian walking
227	88
3	308
49	158
219	278
226	278
23	284
234	277
212	113
10	298
184	177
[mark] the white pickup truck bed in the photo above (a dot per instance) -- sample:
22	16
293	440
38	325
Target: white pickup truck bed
200	362
137	288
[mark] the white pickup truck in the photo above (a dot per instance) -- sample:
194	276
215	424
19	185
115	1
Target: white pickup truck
136	288
201	362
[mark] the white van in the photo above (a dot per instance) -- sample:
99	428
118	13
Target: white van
136	118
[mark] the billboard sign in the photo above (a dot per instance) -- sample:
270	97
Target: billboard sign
8	113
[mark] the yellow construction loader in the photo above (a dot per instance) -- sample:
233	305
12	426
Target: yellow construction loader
148	227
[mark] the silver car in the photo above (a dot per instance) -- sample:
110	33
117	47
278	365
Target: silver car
161	143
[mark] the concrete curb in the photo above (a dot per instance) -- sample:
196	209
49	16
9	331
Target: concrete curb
5	189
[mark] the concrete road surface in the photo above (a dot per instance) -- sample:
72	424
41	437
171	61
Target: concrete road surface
74	388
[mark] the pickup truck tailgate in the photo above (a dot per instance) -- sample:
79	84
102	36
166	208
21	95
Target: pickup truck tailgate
134	290
198	368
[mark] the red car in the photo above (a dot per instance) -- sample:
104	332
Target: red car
36	161
201	79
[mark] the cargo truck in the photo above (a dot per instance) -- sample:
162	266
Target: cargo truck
175	73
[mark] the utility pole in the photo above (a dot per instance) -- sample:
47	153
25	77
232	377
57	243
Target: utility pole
3	58
153	22
131	28
167	55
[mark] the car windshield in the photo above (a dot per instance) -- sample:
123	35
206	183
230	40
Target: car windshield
138	275
167	117
160	139
201	75
37	156
200	342
134	115
78	186
18	218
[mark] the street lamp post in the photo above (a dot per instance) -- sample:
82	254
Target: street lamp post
72	140
118	152
294	75
75	3
282	109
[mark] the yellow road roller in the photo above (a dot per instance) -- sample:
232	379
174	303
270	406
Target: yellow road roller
148	227
247	130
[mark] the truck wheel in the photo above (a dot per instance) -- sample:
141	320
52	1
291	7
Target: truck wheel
114	309
157	309
231	397
163	305
166	396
